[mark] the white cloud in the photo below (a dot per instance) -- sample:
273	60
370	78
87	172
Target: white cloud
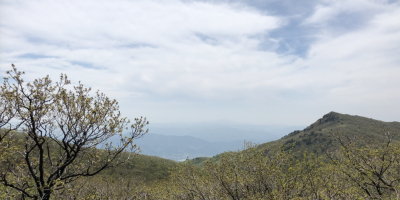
202	60
329	10
359	69
141	49
148	40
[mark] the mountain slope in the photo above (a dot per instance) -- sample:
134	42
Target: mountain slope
317	137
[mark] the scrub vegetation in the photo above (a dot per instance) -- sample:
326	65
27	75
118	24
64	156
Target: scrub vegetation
56	149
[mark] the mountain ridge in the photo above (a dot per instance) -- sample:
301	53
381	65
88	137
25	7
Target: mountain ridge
318	137
320	132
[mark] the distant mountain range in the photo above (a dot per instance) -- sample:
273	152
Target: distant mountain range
180	148
181	141
224	131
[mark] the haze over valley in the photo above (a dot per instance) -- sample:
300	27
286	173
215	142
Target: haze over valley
180	141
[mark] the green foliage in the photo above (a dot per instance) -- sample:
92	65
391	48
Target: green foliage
142	167
250	174
61	131
360	169
372	167
370	171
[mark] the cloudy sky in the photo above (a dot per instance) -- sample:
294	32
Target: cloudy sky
249	61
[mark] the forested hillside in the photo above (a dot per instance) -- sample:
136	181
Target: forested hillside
318	137
337	157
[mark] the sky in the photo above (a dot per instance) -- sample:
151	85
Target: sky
253	62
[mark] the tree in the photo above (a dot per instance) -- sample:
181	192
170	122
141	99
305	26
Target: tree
253	173
372	167
7	113
62	130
